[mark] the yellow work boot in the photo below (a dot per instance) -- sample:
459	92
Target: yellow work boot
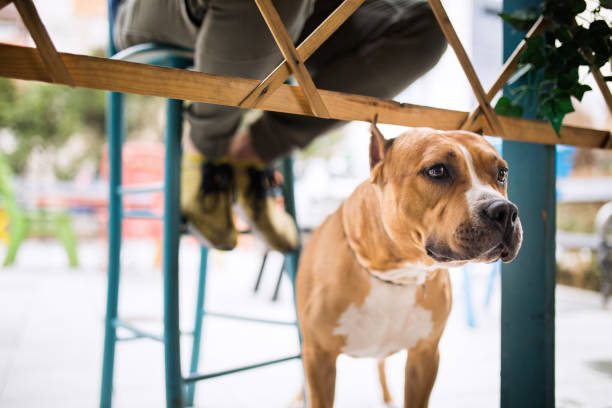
267	217
207	193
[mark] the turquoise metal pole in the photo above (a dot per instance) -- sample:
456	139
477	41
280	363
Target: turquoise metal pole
172	350
197	327
528	283
200	377
115	131
115	127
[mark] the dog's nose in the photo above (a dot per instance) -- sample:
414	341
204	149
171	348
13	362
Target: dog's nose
502	212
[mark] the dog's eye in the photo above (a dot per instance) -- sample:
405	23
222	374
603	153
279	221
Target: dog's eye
437	171
502	175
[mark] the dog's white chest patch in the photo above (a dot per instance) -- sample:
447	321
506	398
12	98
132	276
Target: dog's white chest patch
388	321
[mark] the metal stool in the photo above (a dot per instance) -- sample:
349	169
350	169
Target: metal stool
180	389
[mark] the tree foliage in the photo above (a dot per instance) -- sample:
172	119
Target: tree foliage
46	116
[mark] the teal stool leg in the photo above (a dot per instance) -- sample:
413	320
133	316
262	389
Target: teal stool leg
467	292
174	381
197	327
494	272
115	138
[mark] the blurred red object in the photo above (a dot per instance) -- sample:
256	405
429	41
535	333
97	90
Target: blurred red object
143	165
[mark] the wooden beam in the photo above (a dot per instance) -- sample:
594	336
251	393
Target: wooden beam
129	77
607	144
603	87
4	3
55	65
464	60
266	87
524	130
507	70
120	76
284	42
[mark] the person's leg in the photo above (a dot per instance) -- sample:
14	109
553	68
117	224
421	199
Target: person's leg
231	38
234	40
380	50
158	21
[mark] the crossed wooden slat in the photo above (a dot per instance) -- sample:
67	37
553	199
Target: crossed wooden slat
292	57
304	51
468	68
507	71
4	3
294	60
58	71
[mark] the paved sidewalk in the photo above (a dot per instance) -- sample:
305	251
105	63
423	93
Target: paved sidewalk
51	337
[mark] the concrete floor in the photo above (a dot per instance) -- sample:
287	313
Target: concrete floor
51	321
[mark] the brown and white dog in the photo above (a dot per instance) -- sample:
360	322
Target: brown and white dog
373	279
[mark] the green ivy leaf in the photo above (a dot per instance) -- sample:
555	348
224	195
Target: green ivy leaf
504	106
555	107
555	66
581	34
568	80
563	104
547	110
534	53
578	90
521	20
563	11
554	58
563	34
600	28
598	40
516	111
600	60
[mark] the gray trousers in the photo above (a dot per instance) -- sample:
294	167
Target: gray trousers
380	50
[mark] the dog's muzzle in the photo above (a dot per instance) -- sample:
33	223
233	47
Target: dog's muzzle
495	233
501	216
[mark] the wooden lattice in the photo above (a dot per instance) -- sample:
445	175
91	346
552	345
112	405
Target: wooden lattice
44	63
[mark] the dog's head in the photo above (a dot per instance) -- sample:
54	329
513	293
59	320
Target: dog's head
445	193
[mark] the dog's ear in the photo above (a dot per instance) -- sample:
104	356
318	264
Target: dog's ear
378	145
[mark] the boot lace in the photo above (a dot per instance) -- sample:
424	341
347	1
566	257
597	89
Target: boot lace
216	180
262	184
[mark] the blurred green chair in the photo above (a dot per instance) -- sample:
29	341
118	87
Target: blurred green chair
40	222
3	226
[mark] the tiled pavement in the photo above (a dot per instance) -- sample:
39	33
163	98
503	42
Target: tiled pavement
51	338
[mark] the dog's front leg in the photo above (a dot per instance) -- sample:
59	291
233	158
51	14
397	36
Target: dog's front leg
320	371
421	370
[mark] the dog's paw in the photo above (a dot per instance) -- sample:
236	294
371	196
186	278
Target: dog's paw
297	404
298	401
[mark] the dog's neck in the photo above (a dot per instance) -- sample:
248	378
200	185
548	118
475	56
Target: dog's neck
372	246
